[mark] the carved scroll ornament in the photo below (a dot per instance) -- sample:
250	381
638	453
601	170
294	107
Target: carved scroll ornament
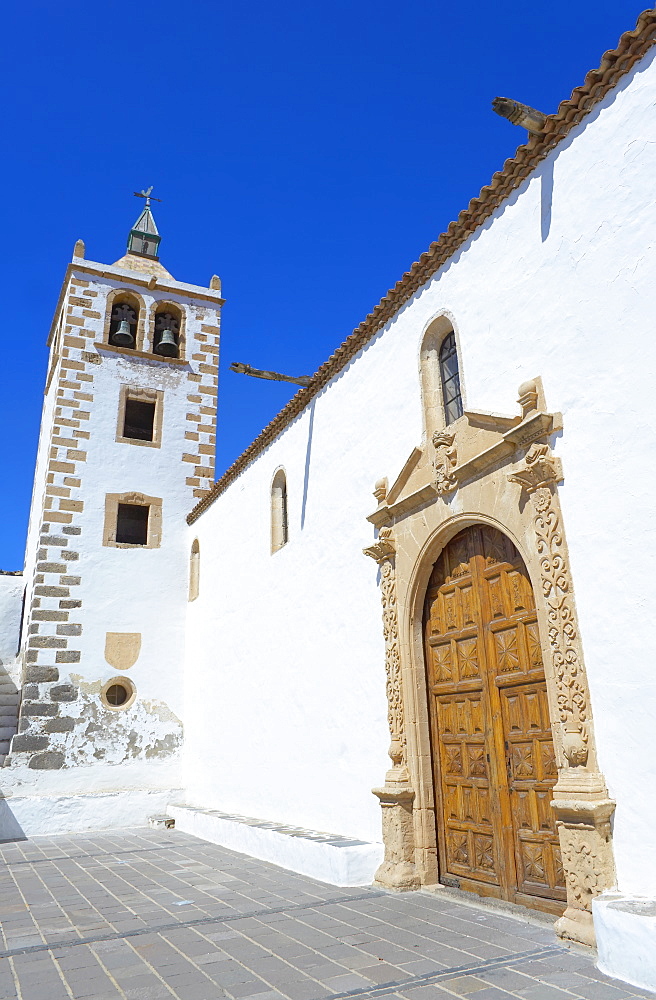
445	461
383	552
538	478
581	802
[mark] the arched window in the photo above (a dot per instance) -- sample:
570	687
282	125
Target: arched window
166	340
440	378
450	375
123	323
194	570
279	526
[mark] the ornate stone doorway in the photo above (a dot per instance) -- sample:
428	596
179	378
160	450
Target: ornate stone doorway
489	479
493	755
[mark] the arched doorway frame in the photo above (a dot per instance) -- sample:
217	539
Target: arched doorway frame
501	472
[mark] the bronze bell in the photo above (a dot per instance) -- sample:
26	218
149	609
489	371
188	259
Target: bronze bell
167	345
122	335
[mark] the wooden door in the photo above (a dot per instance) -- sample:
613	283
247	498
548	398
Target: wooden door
493	754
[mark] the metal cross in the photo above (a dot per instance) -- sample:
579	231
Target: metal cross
147	195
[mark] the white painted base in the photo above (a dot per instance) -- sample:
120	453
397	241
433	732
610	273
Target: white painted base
33	815
332	859
625	927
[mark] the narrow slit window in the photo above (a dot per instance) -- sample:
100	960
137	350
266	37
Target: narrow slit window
139	421
279	524
194	570
450	375
132	524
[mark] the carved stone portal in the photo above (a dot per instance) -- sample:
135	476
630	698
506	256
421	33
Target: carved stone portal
437	491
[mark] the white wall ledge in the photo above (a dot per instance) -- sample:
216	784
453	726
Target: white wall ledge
327	857
625	927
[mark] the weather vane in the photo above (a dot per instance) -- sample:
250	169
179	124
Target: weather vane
147	195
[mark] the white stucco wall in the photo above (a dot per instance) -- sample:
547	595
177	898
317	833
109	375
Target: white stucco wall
137	589
285	667
11	599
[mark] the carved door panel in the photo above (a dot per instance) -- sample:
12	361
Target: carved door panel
532	774
462	737
492	748
469	841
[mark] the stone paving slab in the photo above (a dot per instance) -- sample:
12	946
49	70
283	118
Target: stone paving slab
157	914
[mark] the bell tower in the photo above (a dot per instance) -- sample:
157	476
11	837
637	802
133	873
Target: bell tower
126	449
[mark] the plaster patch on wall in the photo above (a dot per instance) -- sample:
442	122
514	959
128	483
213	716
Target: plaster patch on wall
148	730
151	374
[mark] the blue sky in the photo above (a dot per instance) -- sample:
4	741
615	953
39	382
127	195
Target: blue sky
306	152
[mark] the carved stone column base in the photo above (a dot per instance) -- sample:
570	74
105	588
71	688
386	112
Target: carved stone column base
398	869
584	831
576	925
400	876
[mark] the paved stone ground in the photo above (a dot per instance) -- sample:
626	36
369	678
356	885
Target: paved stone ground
155	915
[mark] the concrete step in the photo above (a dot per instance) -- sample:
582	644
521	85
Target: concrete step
6	732
3	757
8	700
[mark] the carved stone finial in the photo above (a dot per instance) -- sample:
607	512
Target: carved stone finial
380	490
445	461
395	751
79	249
215	283
541	469
528	398
383	548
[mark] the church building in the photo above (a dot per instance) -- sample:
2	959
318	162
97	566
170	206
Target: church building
473	462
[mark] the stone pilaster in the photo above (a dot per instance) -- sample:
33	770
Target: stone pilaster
581	803
397	795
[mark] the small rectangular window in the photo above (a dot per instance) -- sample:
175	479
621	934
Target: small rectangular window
132	524
139	419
